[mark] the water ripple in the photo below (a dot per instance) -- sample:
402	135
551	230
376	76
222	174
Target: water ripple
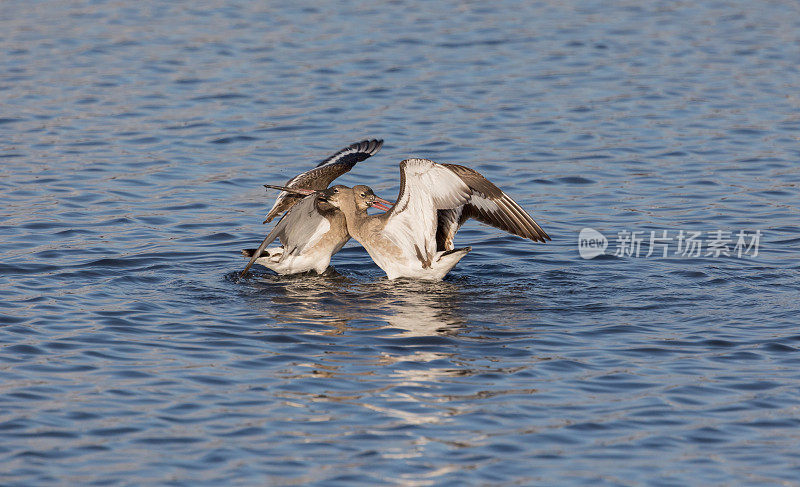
134	150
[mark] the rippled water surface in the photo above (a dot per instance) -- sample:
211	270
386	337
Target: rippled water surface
135	137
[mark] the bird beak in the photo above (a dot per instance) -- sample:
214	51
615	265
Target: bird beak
301	191
382	204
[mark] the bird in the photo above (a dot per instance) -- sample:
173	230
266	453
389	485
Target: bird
312	230
414	237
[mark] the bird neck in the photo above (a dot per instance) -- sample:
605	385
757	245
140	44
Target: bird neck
357	219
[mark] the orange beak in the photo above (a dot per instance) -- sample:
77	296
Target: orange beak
382	204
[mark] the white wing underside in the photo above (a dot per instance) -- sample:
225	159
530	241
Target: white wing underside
426	188
302	227
436	199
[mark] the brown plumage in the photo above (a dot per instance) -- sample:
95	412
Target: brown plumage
324	173
414	239
488	204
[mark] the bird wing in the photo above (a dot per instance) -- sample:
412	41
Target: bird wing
326	171
301	227
425	188
487	204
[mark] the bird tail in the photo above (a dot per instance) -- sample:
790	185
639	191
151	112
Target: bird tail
257	253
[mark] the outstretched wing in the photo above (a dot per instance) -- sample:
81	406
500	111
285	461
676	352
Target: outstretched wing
487	204
301	227
326	171
425	188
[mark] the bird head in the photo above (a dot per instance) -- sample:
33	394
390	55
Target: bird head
366	198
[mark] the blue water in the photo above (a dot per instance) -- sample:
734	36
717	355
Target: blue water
135	137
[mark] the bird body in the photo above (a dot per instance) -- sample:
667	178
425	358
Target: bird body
391	243
311	231
414	238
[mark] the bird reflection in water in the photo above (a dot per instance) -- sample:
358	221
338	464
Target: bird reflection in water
334	304
393	351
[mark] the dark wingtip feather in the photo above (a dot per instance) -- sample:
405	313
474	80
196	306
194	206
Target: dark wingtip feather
361	150
375	146
453	251
511	217
370	146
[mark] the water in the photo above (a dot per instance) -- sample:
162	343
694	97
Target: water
135	138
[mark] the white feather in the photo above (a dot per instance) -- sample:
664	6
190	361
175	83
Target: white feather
428	187
301	231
